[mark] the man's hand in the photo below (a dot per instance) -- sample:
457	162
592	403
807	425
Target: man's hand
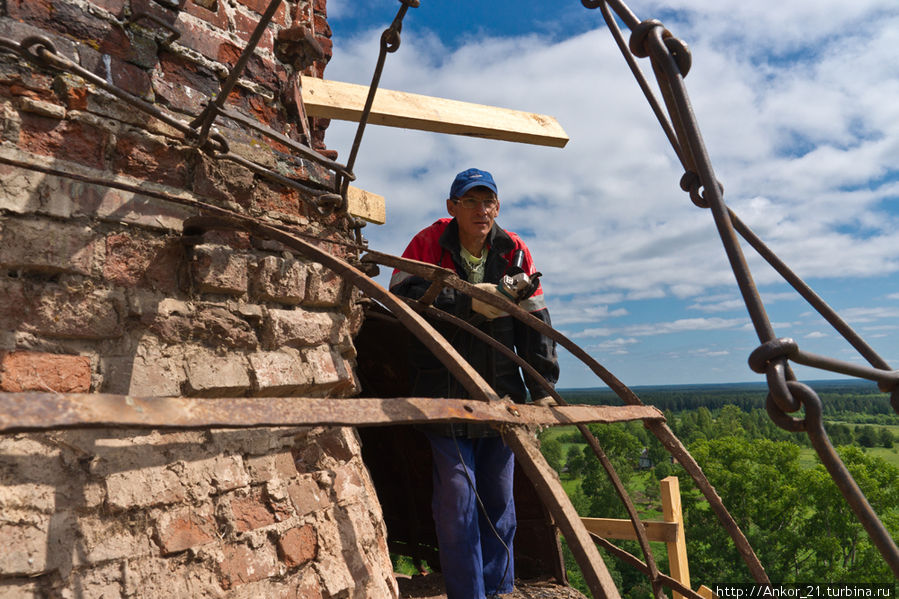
485	309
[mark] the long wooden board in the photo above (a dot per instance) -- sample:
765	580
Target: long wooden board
345	101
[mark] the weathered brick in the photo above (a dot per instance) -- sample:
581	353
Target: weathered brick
133	261
213	13
240	564
298	328
323	364
307	496
37	371
78	312
215	475
152	160
347	484
29	535
251	511
48	247
103	539
244	26
116	7
218	269
212	326
223	181
338	442
63	139
210	375
296	546
197	36
280	373
271	467
114	68
279	280
150	373
185	528
323	288
41	107
150	485
259	6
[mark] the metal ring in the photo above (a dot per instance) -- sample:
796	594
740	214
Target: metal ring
771	350
28	44
222	143
637	42
681	53
390	40
328	203
778	389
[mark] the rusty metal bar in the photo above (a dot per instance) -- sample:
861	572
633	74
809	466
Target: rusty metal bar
207	117
633	560
44	411
810	296
660	430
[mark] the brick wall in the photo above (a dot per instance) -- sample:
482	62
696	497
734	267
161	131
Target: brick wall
99	292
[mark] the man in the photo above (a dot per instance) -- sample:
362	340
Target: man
472	465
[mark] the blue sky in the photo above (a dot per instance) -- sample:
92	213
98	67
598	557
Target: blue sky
797	104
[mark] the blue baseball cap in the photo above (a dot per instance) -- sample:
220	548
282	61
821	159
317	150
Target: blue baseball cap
472	178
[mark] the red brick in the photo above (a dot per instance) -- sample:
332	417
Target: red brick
151	160
323	288
200	38
66	140
268	198
278	280
251	512
259	6
217	17
223	181
37	371
132	261
244	26
47	246
298	546
111	67
185	529
241	565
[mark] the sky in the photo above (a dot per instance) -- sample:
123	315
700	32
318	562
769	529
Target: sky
796	101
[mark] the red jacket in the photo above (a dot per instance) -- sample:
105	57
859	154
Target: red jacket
439	244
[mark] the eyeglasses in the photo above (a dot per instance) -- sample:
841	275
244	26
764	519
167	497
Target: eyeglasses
471	203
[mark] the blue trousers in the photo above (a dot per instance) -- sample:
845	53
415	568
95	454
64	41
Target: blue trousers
476	561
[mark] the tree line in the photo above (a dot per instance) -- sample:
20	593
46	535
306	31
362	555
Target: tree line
793	515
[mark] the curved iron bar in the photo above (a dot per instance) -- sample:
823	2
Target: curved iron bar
390	42
593	568
692	152
660	430
633	560
592	441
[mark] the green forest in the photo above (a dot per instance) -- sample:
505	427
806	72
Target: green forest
770	480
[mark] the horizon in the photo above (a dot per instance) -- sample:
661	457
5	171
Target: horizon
793	100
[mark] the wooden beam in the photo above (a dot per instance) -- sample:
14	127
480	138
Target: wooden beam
677	551
366	205
623	528
345	101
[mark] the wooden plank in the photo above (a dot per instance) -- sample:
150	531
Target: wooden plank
366	205
623	528
707	593
345	101
677	551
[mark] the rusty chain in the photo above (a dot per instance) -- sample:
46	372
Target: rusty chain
670	61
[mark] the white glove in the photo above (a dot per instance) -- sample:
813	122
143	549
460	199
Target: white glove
485	309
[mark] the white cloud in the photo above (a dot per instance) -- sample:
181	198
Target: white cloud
795	103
